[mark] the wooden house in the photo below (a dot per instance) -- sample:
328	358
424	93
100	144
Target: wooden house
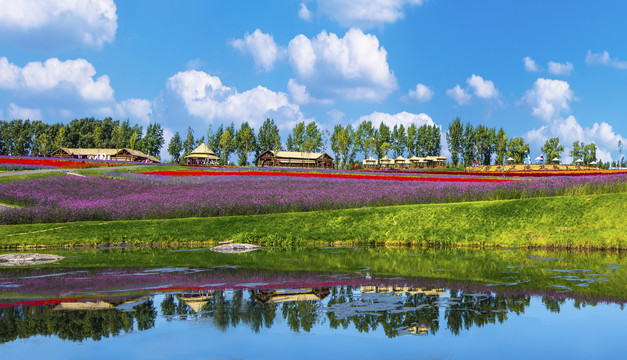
202	155
295	159
370	163
385	162
121	154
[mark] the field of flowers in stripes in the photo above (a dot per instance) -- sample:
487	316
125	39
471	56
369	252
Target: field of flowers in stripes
128	196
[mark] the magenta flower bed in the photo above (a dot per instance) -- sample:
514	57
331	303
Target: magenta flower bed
70	198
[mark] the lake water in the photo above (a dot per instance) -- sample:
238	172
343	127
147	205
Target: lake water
349	303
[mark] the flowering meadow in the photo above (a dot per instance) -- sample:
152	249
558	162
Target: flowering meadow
48	163
154	196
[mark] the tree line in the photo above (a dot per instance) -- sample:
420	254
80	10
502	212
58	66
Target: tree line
468	144
35	138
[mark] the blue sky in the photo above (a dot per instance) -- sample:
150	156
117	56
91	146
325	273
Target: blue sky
538	69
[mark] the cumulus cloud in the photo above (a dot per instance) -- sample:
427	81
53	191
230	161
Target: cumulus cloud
530	65
365	13
548	98
556	68
304	12
481	88
353	67
16	112
137	109
403	118
605	59
53	75
261	47
422	93
205	97
461	96
550	101
60	24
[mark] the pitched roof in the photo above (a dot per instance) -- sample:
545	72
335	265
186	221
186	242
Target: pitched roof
202	149
296	154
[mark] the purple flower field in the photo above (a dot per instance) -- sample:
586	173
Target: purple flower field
136	196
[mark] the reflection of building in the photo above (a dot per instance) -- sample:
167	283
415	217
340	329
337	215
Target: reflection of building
287	295
202	155
195	301
398	289
122	154
97	304
295	159
419	329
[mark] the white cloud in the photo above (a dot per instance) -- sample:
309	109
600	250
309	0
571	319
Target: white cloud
136	109
605	59
298	92
560	69
354	67
482	88
58	24
304	13
365	13
548	98
530	65
15	112
422	93
403	118
336	116
459	95
206	98
261	47
194	64
54	75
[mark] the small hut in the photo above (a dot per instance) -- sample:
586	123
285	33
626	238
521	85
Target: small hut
435	161
121	154
385	162
401	163
370	163
295	159
202	155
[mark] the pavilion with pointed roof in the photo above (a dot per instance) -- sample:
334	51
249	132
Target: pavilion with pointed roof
202	155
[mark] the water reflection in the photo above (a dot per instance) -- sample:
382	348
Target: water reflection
396	309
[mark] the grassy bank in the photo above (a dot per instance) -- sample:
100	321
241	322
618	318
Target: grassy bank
587	222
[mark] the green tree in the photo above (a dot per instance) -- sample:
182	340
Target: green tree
213	140
589	154
226	144
620	153
382	140
153	141
365	138
399	140
188	144
517	149
468	141
552	149
412	135
501	146
578	150
342	145
454	138
296	139
245	142
268	137
484	143
175	147
313	138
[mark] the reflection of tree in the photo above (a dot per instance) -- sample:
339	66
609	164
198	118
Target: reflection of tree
466	311
231	312
551	304
75	325
300	314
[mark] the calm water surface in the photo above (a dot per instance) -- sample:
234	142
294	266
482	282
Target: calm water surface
308	304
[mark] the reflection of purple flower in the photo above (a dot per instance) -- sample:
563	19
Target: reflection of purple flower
137	196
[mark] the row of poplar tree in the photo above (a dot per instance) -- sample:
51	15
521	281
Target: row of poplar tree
468	144
35	138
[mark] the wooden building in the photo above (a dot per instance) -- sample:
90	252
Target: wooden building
370	163
385	162
295	159
202	155
121	154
